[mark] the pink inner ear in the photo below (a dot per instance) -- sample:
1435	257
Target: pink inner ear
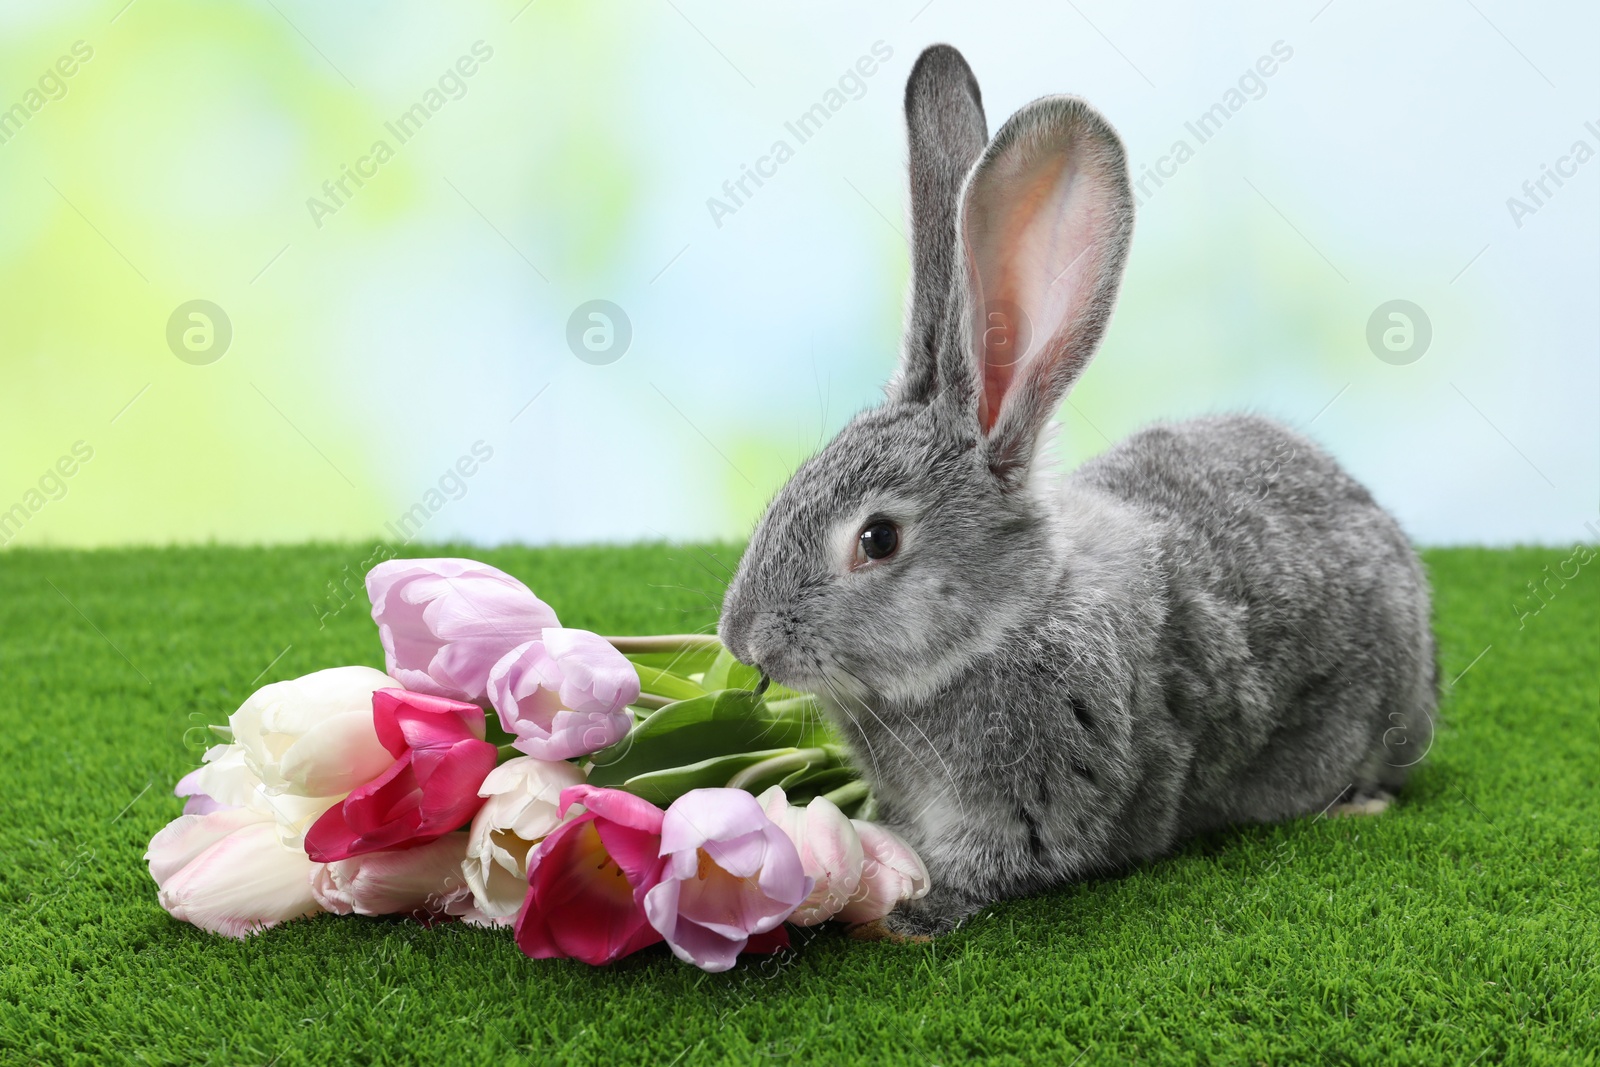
1030	228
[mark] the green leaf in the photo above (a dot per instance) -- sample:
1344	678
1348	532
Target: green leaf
718	724
813	781
493	732
665	786
728	673
682	663
667	683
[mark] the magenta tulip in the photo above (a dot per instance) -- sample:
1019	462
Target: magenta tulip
731	874
587	879
445	622
431	788
564	694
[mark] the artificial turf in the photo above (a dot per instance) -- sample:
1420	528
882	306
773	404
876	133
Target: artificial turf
1463	926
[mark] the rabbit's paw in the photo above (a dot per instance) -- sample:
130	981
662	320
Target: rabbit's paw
920	920
878	930
1362	803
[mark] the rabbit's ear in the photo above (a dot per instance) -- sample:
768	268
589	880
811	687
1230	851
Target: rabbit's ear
947	132
1045	222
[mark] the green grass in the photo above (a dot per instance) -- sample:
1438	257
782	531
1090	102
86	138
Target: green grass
1462	926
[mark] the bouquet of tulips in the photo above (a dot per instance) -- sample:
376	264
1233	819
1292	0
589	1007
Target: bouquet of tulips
623	792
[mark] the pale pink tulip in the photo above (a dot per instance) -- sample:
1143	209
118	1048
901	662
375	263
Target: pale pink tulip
227	872
564	694
892	872
730	874
445	622
425	881
830	853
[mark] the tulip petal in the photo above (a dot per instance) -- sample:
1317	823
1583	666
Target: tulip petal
579	905
243	882
177	844
702	815
426	879
306	766
223	778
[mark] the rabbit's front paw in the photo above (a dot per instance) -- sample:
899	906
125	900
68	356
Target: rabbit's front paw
920	920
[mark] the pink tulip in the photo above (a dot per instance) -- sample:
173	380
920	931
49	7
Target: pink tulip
587	878
445	622
564	694
425	881
431	788
891	873
228	872
730	874
830	852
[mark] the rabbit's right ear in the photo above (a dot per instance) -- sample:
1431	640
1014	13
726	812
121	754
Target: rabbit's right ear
947	132
1046	217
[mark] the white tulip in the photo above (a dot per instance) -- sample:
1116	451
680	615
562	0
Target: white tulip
425	879
228	872
523	806
313	736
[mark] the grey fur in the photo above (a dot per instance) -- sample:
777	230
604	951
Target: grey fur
945	133
1209	624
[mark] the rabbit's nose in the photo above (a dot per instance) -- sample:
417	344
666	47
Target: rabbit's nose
734	628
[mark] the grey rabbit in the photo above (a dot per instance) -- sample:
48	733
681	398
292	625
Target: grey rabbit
1042	677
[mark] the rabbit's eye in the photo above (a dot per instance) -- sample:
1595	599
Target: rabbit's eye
879	539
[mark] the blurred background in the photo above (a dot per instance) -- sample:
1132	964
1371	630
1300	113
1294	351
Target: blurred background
499	270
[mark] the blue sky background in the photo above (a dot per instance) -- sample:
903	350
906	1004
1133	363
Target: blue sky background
374	346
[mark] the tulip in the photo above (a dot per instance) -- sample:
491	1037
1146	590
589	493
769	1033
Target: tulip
587	878
439	760
313	736
891	873
523	805
830	852
227	872
730	874
445	622
564	694
424	881
223	780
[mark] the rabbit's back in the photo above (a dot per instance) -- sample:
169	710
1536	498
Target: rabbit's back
1296	656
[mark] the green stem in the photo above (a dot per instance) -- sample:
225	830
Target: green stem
652	701
638	646
508	752
789	761
803	704
848	793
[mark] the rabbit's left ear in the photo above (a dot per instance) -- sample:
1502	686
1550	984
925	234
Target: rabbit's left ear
1046	218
